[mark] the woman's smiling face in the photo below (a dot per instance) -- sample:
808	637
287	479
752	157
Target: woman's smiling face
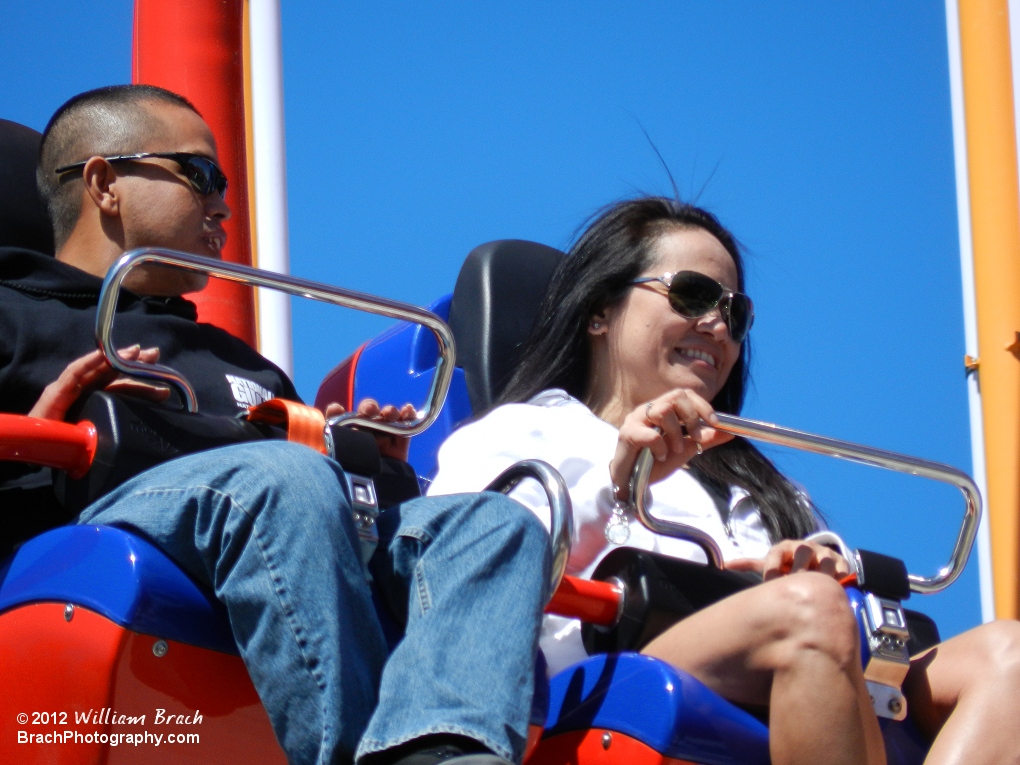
650	349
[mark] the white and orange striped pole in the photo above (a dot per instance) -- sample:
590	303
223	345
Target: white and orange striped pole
984	126
267	161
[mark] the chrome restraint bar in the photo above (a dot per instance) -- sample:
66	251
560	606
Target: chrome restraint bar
294	286
831	447
561	520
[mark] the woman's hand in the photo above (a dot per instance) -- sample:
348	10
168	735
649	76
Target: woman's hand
91	372
684	421
791	556
389	445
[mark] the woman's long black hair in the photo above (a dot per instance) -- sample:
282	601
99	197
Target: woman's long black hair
616	248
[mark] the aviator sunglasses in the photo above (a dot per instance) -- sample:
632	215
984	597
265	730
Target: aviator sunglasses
201	172
693	295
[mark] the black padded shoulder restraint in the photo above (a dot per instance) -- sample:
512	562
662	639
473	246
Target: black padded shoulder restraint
497	296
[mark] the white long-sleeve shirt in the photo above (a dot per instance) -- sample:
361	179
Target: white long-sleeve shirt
562	431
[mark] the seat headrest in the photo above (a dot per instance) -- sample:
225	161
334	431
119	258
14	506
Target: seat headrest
24	221
497	297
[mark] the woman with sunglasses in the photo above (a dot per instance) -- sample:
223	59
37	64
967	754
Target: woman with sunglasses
641	337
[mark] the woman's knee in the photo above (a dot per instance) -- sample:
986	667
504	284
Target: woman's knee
811	613
994	649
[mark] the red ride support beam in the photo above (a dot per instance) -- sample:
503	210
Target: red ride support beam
193	47
48	442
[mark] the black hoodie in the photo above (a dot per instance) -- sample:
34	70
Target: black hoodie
47	319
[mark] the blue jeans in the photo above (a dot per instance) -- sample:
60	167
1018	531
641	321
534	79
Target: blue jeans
268	527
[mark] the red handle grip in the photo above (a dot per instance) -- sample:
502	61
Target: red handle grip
592	602
48	442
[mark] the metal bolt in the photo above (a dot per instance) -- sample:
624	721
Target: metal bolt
68	612
159	649
607	740
895	706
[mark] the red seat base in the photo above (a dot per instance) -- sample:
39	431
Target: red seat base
598	747
71	685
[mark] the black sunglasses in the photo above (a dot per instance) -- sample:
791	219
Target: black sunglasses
693	295
202	173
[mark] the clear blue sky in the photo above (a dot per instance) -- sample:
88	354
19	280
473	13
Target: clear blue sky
820	134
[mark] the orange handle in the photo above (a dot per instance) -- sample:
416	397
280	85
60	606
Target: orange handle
48	442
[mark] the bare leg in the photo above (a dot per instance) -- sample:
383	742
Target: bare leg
791	644
969	694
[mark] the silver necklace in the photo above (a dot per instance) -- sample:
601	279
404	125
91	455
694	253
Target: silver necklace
617	529
618	525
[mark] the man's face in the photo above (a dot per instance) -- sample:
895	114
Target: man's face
160	208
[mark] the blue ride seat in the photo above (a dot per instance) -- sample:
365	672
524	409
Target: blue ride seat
398	367
680	717
120	576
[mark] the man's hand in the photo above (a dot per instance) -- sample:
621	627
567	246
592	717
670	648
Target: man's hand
792	555
90	373
389	446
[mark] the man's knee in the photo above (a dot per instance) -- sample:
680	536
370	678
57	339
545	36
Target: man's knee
258	477
526	540
513	513
490	518
292	477
496	510
279	459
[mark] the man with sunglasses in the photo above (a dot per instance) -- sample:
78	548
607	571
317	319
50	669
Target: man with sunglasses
267	526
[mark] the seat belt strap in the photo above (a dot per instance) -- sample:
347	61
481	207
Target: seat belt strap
304	424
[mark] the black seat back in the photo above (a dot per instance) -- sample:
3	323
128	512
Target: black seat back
27	504
24	221
497	296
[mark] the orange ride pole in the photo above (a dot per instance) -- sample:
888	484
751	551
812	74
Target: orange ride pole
995	222
194	48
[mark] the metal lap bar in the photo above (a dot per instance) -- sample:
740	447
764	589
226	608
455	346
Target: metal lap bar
284	283
638	497
865	455
561	520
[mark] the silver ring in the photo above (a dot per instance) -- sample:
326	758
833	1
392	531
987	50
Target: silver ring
648	410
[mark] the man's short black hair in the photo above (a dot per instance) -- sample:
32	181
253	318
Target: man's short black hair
102	122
